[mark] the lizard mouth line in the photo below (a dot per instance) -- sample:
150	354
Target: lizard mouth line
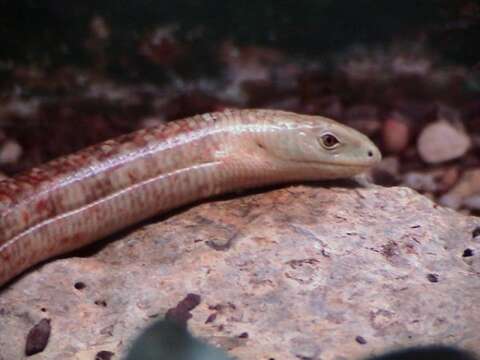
348	165
343	165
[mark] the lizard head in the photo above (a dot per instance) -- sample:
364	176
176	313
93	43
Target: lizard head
318	147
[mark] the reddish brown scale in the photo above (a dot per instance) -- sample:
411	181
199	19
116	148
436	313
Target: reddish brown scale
33	204
132	176
75	200
5	256
44	206
25	216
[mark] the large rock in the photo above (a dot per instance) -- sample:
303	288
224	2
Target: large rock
303	272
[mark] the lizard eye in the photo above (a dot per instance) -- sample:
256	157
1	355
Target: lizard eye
329	141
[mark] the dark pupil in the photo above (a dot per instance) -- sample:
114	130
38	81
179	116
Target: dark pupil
329	140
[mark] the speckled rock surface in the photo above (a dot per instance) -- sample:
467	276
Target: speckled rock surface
303	272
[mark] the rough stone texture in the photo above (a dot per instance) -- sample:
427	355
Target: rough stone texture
309	272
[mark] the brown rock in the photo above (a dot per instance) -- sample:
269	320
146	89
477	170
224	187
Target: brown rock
396	133
10	152
99	28
162	46
152	122
38	337
449	178
472	202
434	181
468	186
421	181
440	141
104	355
305	271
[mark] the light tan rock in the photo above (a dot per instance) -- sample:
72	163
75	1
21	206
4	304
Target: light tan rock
468	186
421	181
300	272
10	152
440	141
449	178
433	181
472	202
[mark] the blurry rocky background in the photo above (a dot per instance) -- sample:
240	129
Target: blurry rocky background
405	73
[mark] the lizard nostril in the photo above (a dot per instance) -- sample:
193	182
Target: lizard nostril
370	153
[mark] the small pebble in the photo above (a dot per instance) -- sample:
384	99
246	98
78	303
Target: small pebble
10	152
424	182
449	178
476	234
434	181
99	28
441	141
472	202
104	355
465	192
361	340
396	133
467	253
37	338
152	122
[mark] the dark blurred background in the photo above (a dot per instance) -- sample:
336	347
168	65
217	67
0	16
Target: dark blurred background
54	32
406	73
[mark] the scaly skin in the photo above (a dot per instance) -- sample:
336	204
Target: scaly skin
75	200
